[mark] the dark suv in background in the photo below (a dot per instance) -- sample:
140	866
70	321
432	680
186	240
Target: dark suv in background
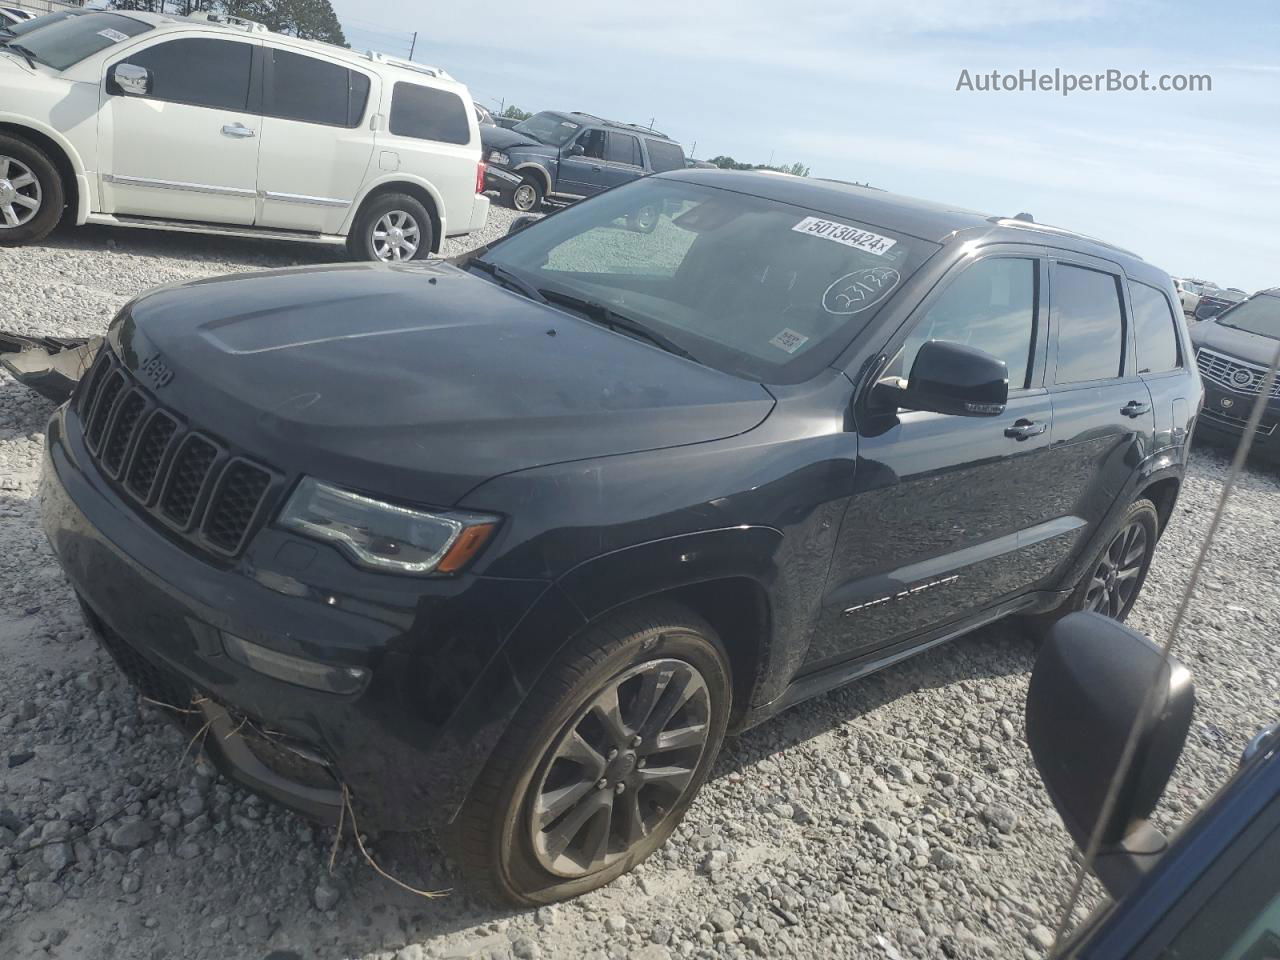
505	547
1234	350
568	156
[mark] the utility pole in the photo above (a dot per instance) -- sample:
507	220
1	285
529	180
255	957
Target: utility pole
413	44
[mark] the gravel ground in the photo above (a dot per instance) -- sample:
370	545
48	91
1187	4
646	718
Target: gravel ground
897	818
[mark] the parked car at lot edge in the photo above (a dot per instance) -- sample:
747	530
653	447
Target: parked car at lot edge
1234	351
10	16
20	28
568	156
1213	302
1211	891
143	120
1190	292
504	547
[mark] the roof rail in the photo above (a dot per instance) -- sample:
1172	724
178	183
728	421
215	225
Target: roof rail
1061	231
248	26
422	68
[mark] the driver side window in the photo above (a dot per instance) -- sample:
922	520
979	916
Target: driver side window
592	144
990	306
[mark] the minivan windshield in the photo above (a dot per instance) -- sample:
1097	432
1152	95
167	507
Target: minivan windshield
549	128
1260	315
755	287
66	42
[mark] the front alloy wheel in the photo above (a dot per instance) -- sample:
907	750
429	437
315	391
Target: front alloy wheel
526	198
20	194
620	767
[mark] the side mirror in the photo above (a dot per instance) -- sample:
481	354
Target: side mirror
952	378
1207	311
519	223
577	150
1094	681
130	80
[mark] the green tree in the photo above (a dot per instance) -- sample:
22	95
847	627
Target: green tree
515	113
306	19
728	163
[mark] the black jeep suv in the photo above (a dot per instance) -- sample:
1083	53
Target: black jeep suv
506	546
568	156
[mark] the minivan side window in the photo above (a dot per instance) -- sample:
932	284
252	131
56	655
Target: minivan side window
198	71
664	155
1156	330
623	148
990	306
426	113
314	91
1090	324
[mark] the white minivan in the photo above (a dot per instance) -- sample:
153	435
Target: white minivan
220	126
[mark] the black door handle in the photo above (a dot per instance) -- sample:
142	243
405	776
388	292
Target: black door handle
1135	408
1025	429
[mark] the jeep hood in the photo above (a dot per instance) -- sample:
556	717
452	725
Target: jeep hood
416	381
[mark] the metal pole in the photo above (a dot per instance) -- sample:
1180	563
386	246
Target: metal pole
413	45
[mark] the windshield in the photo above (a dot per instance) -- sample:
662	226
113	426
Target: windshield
549	128
68	41
757	288
23	27
1260	315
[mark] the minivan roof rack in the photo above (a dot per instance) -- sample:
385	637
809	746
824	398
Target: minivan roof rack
1023	221
422	68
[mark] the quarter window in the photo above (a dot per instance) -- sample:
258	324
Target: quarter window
1090	324
198	71
426	113
624	148
664	155
1155	329
990	306
314	91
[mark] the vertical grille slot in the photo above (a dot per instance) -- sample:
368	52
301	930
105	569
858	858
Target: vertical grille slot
187	478
120	433
92	383
152	444
102	406
235	504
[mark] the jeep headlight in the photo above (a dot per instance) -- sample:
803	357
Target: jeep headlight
500	158
387	536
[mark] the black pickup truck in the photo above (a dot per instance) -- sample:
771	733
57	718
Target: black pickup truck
568	156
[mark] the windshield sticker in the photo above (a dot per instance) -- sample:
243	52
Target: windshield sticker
115	36
566	123
789	340
860	290
860	239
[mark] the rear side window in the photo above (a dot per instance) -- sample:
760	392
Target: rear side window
1090	324
664	155
315	91
1155	328
426	113
199	71
991	306
624	148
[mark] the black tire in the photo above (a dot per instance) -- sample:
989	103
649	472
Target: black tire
28	177
501	846
527	198
399	208
1104	573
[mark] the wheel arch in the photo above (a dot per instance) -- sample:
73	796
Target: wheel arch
64	156
539	171
1164	494
421	190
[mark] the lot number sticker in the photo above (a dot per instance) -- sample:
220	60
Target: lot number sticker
789	340
854	237
115	36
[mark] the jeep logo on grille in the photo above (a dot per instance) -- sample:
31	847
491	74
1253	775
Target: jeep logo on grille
156	370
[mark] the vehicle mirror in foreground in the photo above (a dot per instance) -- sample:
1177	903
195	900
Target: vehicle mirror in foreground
1095	683
131	79
519	223
953	378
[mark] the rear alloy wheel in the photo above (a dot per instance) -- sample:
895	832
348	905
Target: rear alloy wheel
601	761
392	228
31	194
1113	585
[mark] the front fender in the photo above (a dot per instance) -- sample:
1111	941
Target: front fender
581	596
16	122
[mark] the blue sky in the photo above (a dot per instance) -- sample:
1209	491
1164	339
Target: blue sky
866	91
